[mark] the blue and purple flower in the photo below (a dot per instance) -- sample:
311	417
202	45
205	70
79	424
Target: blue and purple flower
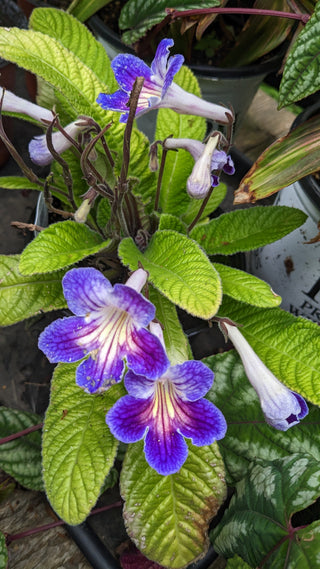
158	89
282	407
166	410
208	160
109	326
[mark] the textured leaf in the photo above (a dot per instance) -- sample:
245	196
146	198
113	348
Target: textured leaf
78	448
3	552
24	296
288	159
260	35
178	167
48	58
215	200
167	516
237	563
257	525
139	166
176	342
179	269
301	72
169	221
288	345
249	438
60	245
246	288
76	38
17	183
103	212
21	458
141	15
247	229
86	8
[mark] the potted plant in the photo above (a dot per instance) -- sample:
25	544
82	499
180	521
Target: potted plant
133	241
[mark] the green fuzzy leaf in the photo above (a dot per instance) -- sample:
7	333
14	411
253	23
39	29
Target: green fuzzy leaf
18	183
288	159
167	516
21	458
3	552
84	9
139	166
301	72
214	201
78	448
178	167
169	221
179	269
177	345
60	245
24	296
247	229
141	15
75	37
79	184
249	438
103	212
257	524
289	346
237	563
48	58
246	288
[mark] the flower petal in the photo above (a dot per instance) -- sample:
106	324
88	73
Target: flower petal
85	290
192	379
126	419
59	341
95	375
285	411
166	67
128	299
146	355
165	452
127	68
117	101
204	423
139	386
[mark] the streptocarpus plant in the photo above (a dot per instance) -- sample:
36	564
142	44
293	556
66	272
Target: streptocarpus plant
132	244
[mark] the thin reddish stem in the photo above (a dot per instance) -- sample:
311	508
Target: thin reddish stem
21	433
249	11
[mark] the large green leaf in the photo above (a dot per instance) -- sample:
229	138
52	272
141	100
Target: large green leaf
48	58
257	525
21	458
3	552
167	516
301	72
247	229
179	269
78	448
24	296
177	345
174	198
141	15
60	245
18	183
214	201
288	345
246	288
249	438
236	563
76	38
288	159
83	9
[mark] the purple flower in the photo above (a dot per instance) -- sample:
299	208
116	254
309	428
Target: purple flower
12	103
158	89
282	407
207	160
109	325
165	411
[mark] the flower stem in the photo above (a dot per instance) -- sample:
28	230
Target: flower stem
250	11
9	438
39	529
201	209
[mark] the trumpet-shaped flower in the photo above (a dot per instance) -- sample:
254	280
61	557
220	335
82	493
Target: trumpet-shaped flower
158	89
207	160
282	407
14	104
165	411
109	325
39	151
